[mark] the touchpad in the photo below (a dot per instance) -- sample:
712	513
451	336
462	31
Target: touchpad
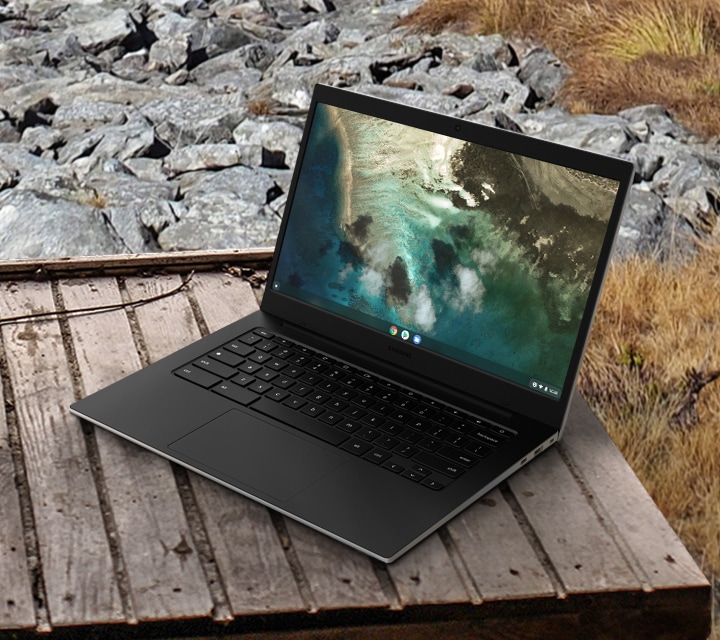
258	454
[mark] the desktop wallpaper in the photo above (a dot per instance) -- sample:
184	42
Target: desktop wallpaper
486	255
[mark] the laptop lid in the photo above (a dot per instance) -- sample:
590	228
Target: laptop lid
471	256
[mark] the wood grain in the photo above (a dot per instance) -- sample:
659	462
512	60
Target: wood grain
75	557
497	553
16	599
654	548
163	568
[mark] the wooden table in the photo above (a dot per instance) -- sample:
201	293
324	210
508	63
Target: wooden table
98	533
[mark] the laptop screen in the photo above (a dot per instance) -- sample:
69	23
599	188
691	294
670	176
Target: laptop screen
477	254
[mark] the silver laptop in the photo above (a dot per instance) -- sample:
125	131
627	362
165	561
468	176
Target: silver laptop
428	303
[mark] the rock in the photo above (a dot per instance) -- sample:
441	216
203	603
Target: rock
195	119
224	210
125	202
104	32
268	144
200	157
656	120
88	114
492	53
170	53
643	225
39	139
647	159
543	72
604	134
37	226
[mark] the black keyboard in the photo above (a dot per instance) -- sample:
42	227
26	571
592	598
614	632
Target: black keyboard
388	425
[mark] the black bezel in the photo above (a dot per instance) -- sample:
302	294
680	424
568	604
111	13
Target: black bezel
376	344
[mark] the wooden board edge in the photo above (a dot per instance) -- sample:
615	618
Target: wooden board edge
659	615
179	261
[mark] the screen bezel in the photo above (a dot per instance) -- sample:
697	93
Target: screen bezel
375	344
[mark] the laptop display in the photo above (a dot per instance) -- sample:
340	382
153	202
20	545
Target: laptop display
475	253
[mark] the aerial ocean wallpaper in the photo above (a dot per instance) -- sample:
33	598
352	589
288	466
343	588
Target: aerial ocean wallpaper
487	256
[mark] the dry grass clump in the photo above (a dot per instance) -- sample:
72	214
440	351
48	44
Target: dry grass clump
655	335
622	52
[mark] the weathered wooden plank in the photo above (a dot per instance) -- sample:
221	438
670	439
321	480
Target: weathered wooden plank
254	570
164	572
427	575
584	555
76	562
223	298
496	552
657	552
16	599
336	575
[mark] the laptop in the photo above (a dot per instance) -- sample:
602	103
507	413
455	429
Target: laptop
425	314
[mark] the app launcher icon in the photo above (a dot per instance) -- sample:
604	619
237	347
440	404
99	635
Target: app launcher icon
417	339
405	334
393	330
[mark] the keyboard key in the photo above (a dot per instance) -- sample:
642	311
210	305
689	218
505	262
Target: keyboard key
479	450
250	338
331	417
300	421
293	402
226	357
242	379
239	348
284	382
215	367
249	367
378	456
278	395
366	433
486	437
197	375
432	484
358	447
265	346
459	457
418	468
259	386
406	450
394	467
259	356
429	444
386	442
438	464
266	374
235	393
413	475
312	410
261	331
300	389
348	425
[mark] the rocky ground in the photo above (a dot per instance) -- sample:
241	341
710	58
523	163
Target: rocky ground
173	125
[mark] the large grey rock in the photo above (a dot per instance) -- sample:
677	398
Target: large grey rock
170	53
492	53
605	134
37	226
106	31
195	119
126	202
201	157
224	210
544	74
82	113
655	120
268	144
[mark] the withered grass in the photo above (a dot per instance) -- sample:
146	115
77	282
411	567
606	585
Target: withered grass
622	52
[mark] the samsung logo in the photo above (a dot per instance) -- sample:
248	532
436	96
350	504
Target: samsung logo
400	352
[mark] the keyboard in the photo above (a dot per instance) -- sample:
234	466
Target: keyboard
386	424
